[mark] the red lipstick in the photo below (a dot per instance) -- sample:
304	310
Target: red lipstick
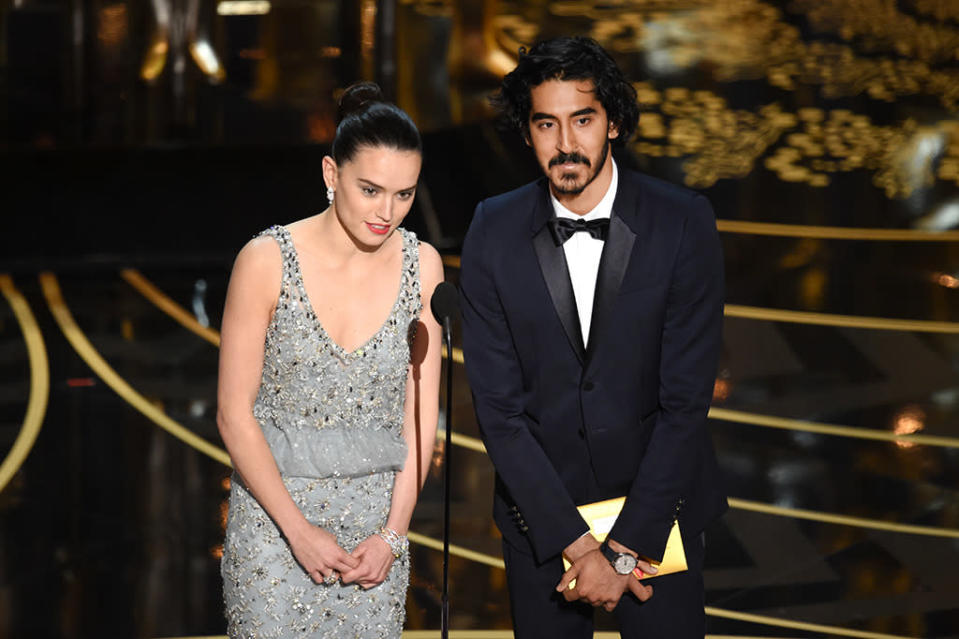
379	229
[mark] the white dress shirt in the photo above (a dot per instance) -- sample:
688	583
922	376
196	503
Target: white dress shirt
583	252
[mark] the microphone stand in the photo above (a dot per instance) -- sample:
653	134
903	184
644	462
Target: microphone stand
445	615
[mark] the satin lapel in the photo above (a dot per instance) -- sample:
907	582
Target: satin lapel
552	261
612	267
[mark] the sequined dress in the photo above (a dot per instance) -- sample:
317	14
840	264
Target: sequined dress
333	421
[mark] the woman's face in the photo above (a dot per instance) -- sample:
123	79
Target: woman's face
373	191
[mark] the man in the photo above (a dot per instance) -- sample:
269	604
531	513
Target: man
592	313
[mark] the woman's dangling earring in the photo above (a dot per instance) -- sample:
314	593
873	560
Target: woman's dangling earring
329	194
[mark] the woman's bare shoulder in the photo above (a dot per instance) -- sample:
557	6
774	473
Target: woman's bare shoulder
431	266
263	251
258	269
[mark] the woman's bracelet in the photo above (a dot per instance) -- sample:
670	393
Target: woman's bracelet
398	543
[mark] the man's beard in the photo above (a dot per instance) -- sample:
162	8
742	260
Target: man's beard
564	158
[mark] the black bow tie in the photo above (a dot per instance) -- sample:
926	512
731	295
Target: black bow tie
563	228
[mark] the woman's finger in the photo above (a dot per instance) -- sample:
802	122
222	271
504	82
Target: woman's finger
359	574
344	562
371	583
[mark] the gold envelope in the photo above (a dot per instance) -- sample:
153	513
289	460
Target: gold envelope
601	516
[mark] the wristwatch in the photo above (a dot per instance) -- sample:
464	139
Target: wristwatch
623	563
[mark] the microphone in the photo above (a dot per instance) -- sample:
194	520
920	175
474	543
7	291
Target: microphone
445	304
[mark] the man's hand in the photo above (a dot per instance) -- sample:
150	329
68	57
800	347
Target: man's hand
641	592
590	565
580	547
596	581
643	567
642	564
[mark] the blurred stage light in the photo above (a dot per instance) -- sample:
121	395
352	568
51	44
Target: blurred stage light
243	7
945	279
197	408
112	26
909	420
943	218
721	390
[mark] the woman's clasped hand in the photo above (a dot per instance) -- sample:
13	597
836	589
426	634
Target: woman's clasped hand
319	554
327	562
375	558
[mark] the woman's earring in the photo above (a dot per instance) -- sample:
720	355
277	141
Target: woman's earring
329	194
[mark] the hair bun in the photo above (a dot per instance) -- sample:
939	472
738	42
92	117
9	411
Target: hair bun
357	97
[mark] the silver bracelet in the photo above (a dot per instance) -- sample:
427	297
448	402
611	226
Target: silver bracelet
398	543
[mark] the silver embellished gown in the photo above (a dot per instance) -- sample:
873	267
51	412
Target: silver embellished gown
333	421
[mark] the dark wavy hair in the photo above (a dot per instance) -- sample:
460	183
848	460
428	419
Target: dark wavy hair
364	119
568	58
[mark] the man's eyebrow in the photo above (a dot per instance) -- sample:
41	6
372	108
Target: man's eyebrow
542	116
547	116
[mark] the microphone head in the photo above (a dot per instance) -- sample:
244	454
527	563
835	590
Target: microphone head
445	302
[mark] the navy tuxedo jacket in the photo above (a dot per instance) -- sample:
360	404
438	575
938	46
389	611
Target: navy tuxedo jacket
567	425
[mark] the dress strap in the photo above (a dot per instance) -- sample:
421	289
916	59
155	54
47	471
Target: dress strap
411	268
292	279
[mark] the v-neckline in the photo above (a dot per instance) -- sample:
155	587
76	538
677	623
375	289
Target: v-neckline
301	284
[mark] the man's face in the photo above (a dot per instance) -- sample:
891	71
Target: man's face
569	133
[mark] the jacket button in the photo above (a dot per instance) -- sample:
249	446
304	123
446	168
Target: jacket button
588	386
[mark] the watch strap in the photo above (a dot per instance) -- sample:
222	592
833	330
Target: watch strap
608	552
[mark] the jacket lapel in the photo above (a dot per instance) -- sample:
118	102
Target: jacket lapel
614	261
552	262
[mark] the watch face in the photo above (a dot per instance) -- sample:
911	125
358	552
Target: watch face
624	564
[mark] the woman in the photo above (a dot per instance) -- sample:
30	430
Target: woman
329	410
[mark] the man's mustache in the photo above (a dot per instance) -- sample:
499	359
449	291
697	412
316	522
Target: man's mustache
569	158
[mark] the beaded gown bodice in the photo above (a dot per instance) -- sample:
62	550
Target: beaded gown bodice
327	412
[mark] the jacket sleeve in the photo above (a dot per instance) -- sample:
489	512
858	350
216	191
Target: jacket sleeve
500	400
691	341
